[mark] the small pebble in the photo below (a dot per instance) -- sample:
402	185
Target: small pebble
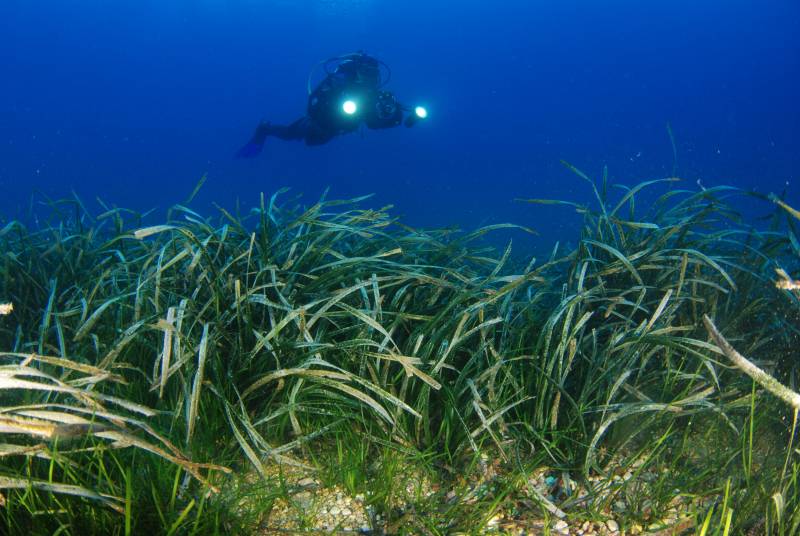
560	526
304	498
612	525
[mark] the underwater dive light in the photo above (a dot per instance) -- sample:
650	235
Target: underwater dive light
349	107
420	113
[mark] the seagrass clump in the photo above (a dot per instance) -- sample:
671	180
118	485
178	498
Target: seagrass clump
254	340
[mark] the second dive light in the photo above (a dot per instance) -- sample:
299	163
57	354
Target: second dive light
420	112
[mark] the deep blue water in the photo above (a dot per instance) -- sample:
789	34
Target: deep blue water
133	101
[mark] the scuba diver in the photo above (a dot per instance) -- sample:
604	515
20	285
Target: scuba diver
350	95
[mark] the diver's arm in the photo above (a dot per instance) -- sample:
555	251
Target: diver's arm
408	114
414	115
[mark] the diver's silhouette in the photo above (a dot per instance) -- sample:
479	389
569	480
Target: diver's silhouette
350	95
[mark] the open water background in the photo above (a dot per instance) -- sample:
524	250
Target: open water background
133	101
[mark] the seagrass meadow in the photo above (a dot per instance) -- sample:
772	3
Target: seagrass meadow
217	374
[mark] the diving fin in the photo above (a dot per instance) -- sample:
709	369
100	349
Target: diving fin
253	147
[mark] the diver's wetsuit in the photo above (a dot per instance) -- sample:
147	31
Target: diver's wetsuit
302	129
356	78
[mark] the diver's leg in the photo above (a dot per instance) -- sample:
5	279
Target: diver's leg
295	131
253	147
316	135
